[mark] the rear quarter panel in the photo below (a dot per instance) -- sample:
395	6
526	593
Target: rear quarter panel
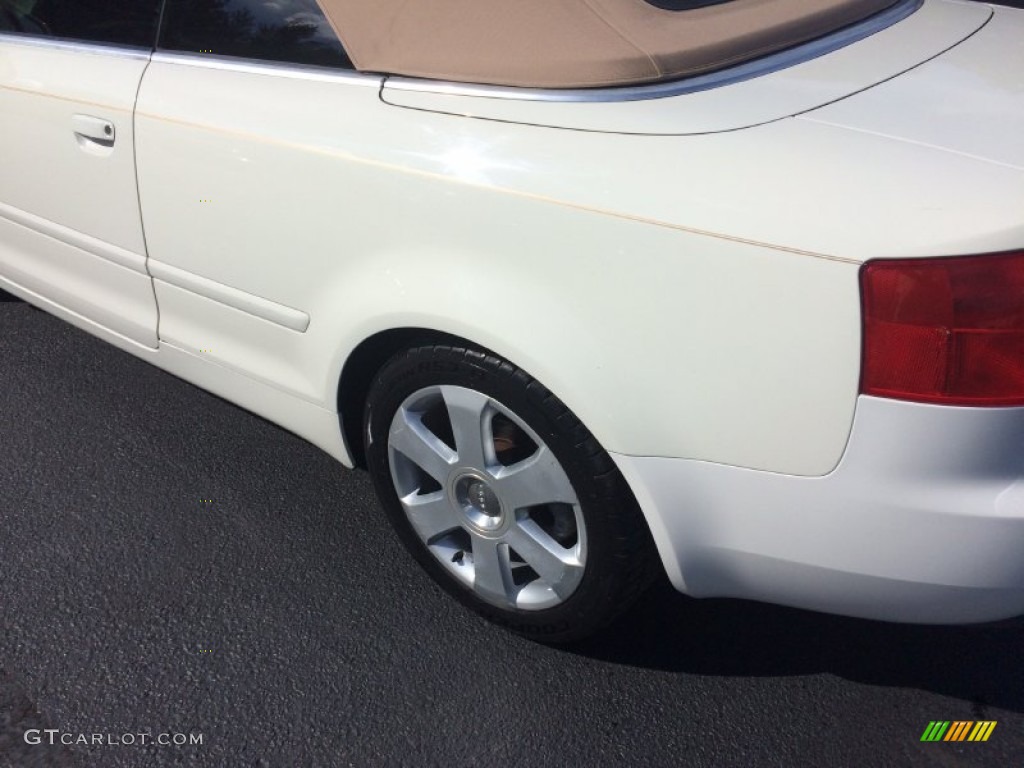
549	247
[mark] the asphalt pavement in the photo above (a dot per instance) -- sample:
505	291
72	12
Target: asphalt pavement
173	567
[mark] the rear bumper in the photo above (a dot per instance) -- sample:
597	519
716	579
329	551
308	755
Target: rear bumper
922	521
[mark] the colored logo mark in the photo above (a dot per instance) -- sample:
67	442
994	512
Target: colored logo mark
958	730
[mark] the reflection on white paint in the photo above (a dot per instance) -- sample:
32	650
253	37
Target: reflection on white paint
473	162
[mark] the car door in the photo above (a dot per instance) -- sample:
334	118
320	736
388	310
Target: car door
70	226
249	122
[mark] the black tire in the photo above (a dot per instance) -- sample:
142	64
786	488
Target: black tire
621	560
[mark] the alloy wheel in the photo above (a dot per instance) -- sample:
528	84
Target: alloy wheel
487	497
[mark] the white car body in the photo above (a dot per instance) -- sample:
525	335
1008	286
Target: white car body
681	271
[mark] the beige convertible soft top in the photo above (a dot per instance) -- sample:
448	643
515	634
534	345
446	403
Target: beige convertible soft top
576	43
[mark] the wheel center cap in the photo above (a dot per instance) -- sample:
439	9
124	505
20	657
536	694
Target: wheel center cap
478	502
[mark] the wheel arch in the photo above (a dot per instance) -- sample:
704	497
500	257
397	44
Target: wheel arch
359	370
375	350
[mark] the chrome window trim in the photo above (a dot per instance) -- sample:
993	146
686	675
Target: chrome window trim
252	66
747	71
275	68
77	46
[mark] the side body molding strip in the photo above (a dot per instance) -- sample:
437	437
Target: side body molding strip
265	309
120	256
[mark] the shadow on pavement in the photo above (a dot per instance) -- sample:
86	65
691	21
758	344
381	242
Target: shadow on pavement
668	631
4	296
19	715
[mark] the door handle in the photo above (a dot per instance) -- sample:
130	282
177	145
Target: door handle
93	131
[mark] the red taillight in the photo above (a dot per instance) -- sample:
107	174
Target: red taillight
945	330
